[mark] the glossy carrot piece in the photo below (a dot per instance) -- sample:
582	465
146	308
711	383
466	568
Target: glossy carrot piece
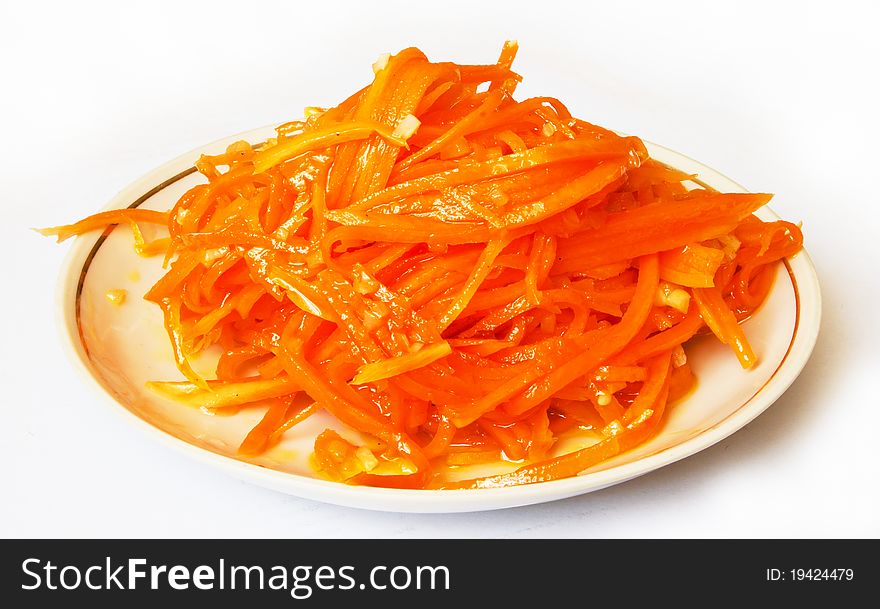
452	274
103	220
658	227
723	323
257	441
644	416
691	265
223	394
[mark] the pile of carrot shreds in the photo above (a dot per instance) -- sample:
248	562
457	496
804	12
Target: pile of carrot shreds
460	277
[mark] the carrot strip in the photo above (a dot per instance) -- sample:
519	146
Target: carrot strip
103	220
477	276
657	227
457	277
222	394
401	364
628	432
258	438
723	324
322	138
692	265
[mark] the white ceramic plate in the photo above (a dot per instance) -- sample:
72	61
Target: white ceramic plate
119	348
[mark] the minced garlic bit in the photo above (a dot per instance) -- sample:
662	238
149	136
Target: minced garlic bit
212	254
406	127
612	429
381	62
363	283
116	296
730	245
679	357
310	111
398	466
671	295
367	458
548	129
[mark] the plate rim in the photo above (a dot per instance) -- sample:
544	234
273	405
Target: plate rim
800	269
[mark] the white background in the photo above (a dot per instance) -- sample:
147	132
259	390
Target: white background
781	97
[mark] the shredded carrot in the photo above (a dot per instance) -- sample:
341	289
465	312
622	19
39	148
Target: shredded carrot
457	276
104	219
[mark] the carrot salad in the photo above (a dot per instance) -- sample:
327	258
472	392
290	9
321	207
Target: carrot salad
455	275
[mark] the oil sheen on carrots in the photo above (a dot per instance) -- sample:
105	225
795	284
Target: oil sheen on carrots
458	276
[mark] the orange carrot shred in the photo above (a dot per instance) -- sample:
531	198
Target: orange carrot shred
456	276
